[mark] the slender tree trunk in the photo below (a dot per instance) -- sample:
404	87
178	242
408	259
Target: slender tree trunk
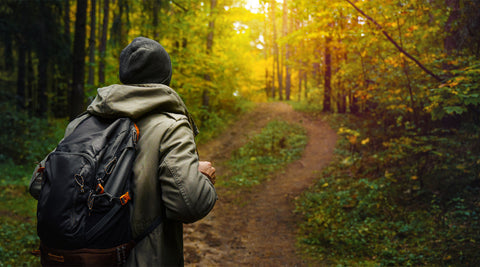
272	16
156	11
288	76
305	83
66	21
30	82
103	43
300	80
116	31
211	29
265	54
91	56
328	76
8	53
450	41
21	76
43	62
276	52
77	96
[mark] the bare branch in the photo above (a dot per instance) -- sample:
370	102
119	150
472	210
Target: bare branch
379	27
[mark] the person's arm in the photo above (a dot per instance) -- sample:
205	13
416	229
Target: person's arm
187	193
36	181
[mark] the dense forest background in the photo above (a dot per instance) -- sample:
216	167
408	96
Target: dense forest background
406	72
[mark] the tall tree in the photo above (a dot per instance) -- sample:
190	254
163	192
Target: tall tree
327	93
92	43
103	43
275	49
66	21
43	51
21	78
77	95
276	52
288	77
211	29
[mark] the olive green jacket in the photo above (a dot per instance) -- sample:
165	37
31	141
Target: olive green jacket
166	172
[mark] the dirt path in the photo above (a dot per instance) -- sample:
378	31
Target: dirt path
257	226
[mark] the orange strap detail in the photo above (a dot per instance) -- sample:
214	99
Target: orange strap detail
125	198
138	131
40	169
100	189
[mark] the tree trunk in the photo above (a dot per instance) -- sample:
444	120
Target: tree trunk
155	12
21	76
450	41
66	22
103	43
211	29
43	61
288	82
300	80
272	16
328	76
77	95
91	56
276	52
30	103
305	83
8	53
268	90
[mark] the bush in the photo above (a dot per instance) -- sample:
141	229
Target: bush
26	139
408	199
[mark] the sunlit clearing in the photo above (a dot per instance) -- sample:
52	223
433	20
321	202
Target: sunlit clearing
253	5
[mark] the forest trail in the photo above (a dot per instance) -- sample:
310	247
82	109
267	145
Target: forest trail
257	226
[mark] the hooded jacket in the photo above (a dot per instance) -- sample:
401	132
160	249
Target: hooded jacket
165	171
166	176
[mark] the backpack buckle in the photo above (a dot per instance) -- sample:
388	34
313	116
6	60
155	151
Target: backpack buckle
99	190
125	198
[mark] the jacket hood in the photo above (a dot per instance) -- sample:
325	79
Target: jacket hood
135	101
145	61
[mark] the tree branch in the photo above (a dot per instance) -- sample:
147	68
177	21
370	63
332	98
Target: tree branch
180	6
379	27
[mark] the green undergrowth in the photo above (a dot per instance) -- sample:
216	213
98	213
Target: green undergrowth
17	227
385	200
212	124
278	144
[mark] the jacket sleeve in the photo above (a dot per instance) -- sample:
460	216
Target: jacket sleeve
188	195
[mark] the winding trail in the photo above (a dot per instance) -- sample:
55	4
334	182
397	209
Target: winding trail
257	226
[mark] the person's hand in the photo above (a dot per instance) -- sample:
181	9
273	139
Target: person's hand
206	168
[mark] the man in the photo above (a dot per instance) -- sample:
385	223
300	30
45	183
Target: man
168	178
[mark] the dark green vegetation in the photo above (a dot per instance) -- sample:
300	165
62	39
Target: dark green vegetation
18	230
397	193
278	144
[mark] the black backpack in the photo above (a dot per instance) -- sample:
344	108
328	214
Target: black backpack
86	196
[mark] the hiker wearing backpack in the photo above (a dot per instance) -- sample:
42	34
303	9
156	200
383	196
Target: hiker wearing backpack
81	200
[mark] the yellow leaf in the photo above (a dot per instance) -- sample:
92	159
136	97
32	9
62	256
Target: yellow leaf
352	139
325	185
365	141
414	177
